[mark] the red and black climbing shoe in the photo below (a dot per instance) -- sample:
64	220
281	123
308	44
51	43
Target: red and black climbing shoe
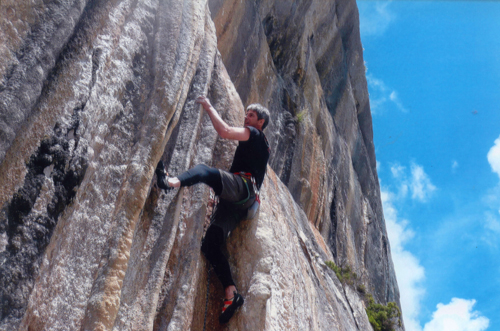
230	307
162	177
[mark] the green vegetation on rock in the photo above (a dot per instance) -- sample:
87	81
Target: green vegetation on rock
382	318
344	274
301	116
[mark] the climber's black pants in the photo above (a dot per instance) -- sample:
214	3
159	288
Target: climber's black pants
212	248
225	218
202	174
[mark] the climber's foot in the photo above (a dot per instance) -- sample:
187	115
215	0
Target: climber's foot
162	177
230	307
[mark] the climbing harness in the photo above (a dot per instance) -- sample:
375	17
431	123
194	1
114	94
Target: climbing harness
252	202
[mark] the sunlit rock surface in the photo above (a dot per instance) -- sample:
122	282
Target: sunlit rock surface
94	93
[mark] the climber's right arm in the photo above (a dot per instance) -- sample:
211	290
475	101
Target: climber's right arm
223	129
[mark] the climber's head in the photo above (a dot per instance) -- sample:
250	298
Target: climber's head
262	116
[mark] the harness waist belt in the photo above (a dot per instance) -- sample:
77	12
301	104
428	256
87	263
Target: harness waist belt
246	177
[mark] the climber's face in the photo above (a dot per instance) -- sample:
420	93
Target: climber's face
251	119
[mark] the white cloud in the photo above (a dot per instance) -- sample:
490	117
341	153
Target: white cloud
380	94
420	185
394	98
409	272
375	18
491	200
457	316
398	171
376	83
418	182
454	166
494	157
492	223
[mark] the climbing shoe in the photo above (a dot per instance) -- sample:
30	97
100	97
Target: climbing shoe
230	307
162	177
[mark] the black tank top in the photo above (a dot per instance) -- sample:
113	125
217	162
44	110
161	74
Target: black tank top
252	156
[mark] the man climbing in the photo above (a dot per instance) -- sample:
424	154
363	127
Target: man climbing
235	189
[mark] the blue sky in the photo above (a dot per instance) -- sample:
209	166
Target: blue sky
433	72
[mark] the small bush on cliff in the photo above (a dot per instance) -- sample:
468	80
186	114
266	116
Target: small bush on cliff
382	318
344	274
301	116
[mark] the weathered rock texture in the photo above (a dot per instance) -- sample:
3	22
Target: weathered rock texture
94	92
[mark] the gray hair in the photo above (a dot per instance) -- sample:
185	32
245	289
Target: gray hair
262	113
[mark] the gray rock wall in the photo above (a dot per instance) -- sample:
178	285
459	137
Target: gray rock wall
304	60
94	93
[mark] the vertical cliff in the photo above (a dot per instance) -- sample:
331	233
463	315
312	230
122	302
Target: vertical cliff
94	92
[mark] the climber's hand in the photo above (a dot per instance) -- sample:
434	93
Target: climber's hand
203	100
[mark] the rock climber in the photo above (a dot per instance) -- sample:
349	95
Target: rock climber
235	189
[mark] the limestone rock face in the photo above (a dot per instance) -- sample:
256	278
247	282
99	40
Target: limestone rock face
93	93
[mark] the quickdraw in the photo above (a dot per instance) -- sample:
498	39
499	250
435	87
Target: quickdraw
256	190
